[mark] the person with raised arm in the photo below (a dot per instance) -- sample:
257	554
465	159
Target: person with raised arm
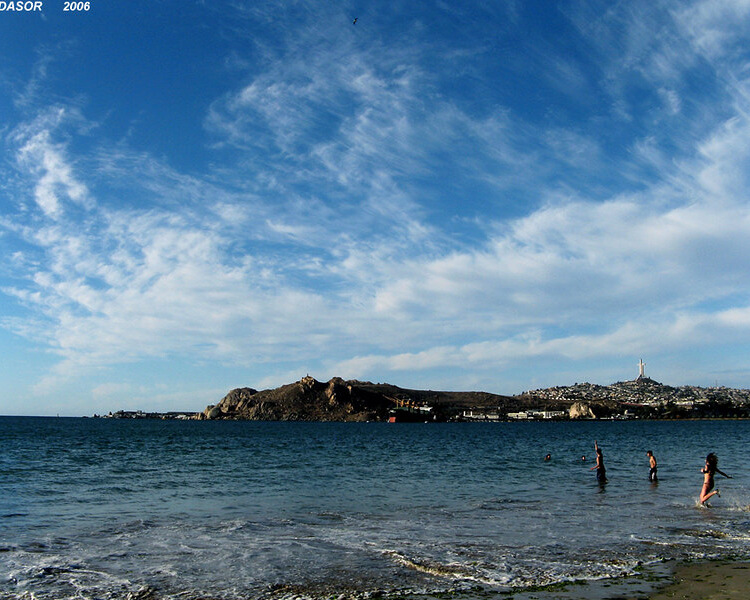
601	472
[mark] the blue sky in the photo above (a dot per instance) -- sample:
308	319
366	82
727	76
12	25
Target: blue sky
497	196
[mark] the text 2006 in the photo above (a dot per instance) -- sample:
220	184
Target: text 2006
76	6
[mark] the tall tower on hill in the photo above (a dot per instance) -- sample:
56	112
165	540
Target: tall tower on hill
641	369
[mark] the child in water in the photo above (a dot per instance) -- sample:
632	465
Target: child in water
709	471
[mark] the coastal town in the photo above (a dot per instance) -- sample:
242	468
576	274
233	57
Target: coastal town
639	399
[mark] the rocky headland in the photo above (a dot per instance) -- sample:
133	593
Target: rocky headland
340	400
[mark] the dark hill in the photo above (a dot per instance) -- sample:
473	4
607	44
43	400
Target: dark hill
339	400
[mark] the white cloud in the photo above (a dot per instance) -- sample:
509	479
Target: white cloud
55	181
655	336
671	100
716	26
725	174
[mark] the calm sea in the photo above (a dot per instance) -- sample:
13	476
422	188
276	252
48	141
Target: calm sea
99	509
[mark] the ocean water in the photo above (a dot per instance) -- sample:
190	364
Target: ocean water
104	509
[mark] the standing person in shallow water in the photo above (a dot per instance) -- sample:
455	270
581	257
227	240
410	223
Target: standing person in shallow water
652	464
709	471
601	472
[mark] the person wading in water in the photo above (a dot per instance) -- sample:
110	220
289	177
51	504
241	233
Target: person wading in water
652	464
711	468
601	472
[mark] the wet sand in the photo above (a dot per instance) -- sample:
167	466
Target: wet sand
711	580
719	580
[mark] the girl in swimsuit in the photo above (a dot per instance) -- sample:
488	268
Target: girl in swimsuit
709	471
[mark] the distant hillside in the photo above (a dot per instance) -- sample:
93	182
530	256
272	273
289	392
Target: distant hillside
340	400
